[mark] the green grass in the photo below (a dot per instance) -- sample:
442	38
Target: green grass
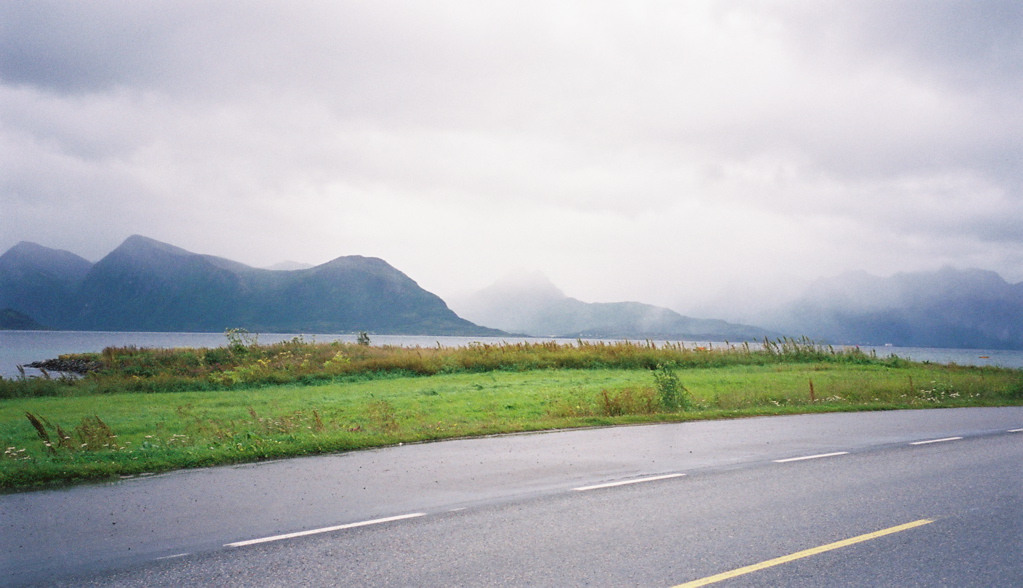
246	365
98	431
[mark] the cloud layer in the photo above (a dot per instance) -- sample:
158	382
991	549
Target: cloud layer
653	151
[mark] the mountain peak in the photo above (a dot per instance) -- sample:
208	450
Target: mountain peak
28	254
534	284
28	247
528	302
38	281
136	243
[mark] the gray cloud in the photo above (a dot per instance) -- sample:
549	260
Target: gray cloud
654	151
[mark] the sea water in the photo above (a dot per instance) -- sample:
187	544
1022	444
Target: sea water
22	347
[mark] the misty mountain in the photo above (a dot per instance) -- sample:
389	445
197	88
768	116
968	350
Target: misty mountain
41	282
968	308
146	285
12	320
532	305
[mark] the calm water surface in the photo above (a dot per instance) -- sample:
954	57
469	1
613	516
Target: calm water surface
21	347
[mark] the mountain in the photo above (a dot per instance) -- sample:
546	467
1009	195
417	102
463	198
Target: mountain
146	285
12	320
531	304
377	296
965	308
41	282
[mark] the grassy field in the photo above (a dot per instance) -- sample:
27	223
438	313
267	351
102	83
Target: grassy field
145	411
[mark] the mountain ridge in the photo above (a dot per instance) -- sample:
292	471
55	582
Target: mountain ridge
965	308
38	281
533	305
148	285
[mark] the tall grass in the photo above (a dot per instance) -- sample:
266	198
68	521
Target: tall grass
241	365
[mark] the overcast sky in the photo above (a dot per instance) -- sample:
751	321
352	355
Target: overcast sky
652	151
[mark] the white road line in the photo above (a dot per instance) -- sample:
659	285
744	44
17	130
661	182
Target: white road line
625	482
811	456
324	530
173	556
1016	430
935	440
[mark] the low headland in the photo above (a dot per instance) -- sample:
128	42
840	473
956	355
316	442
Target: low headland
136	411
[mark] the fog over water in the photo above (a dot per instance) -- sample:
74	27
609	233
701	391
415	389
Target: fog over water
707	156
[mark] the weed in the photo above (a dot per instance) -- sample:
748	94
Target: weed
317	422
94	434
671	394
569	404
239	340
382	415
37	424
628	401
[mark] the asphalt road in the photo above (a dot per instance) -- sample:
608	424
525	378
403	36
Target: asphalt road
509	510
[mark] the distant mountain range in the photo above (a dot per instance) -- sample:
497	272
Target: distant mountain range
532	305
965	308
146	285
955	308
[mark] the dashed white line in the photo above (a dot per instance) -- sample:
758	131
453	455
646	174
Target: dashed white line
625	482
173	556
324	530
819	455
935	440
1016	430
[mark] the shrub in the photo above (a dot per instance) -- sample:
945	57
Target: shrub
671	394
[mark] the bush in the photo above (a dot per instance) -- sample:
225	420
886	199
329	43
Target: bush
671	394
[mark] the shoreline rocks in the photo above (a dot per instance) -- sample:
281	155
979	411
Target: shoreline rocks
75	366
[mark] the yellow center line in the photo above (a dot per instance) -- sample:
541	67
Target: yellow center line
801	554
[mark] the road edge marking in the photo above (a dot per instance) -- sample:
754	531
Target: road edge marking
786	460
801	554
324	530
175	556
935	440
626	482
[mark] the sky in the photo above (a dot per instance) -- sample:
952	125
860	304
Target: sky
700	155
